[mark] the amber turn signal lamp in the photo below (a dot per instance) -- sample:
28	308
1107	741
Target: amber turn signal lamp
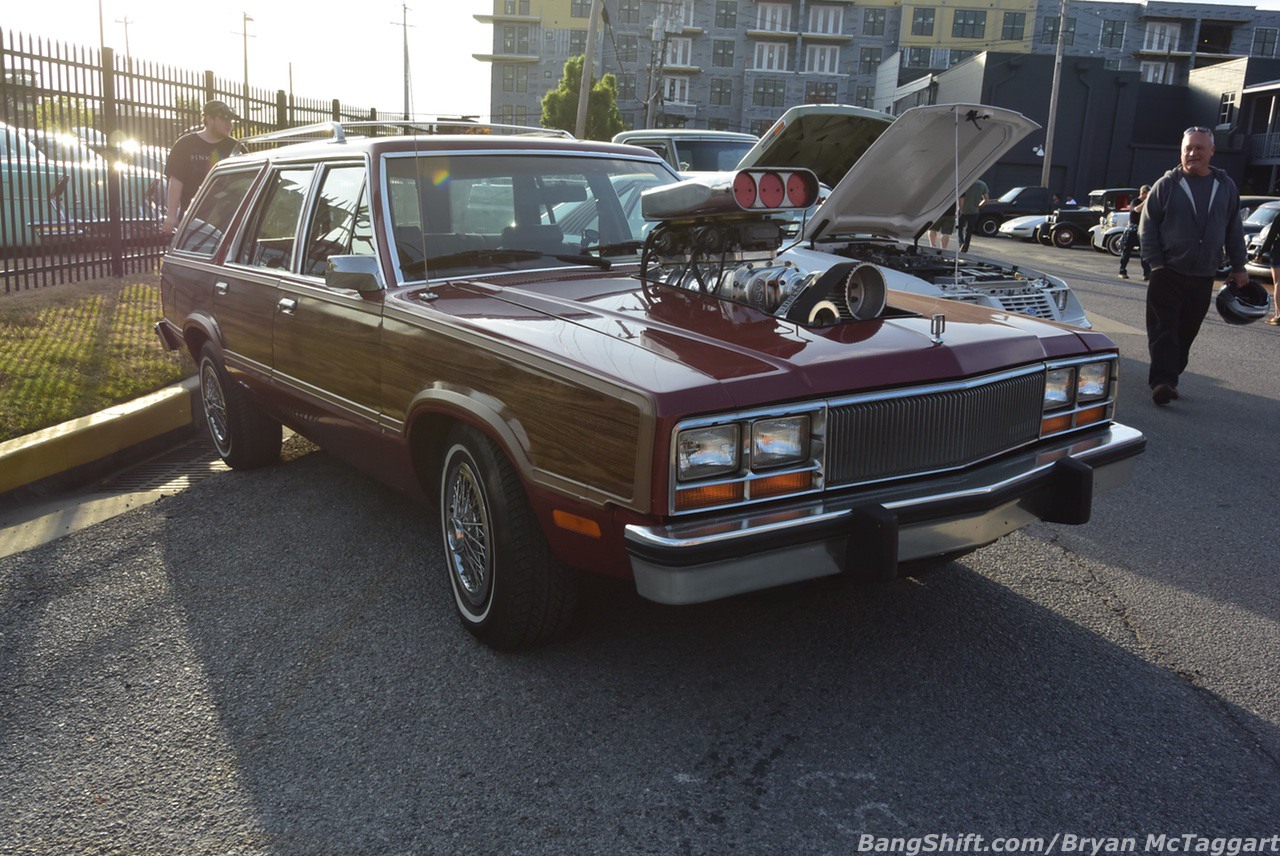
574	523
1054	424
778	485
1090	416
708	495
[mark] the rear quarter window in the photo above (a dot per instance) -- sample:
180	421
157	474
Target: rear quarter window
214	211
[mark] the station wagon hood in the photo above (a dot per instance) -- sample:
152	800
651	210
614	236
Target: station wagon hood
693	341
907	177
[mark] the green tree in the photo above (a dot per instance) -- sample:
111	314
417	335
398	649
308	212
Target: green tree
63	113
560	105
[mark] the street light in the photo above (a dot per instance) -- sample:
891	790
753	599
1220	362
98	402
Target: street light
244	32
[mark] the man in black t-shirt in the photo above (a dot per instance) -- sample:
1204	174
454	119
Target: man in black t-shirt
193	155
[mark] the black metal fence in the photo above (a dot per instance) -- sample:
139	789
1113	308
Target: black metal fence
83	138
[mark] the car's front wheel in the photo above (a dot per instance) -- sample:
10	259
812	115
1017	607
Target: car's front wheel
1065	237
510	592
243	435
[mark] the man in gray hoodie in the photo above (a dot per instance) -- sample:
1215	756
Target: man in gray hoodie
1193	211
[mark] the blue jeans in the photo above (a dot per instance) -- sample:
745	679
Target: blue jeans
1126	250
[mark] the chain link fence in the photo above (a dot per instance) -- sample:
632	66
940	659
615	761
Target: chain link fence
84	134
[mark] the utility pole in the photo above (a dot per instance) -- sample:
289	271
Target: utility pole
404	25
657	62
244	32
1053	94
584	84
102	31
126	20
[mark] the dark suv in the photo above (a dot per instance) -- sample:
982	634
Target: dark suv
586	365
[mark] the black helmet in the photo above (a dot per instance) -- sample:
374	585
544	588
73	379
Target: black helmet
1243	304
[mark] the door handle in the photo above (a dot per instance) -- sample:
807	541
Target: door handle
287	305
220	288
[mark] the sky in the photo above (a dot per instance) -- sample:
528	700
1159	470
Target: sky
351	50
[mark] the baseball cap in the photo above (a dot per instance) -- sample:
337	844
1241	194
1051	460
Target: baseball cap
217	107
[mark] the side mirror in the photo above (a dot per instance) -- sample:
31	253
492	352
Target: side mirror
356	273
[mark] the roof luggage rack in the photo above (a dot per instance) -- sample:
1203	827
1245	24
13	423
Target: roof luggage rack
338	132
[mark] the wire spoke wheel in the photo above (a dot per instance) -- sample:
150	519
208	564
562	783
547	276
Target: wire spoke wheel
215	408
467	535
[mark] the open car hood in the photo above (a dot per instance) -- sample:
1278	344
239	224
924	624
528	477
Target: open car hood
889	180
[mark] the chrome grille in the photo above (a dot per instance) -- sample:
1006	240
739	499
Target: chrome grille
891	436
1037	303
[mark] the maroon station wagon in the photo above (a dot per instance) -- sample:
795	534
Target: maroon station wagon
587	365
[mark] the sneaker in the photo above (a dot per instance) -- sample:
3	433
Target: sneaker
1162	394
1274	322
1123	275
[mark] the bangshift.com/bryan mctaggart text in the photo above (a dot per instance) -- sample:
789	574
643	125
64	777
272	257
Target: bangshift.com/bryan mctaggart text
1067	842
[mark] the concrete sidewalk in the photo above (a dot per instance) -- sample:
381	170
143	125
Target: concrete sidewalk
82	450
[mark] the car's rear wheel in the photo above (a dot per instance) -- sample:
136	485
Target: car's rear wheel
243	435
989	227
1115	244
1064	237
510	592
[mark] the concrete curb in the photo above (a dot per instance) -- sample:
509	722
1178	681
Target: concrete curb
83	449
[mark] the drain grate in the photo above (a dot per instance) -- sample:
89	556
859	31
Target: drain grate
171	472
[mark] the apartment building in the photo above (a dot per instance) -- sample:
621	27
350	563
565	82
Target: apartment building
737	64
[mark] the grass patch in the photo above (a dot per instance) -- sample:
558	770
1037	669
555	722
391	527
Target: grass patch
72	349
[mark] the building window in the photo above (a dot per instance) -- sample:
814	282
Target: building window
959	56
722	53
1050	34
727	14
682	11
679	52
1264	41
922	21
775	17
721	91
760	127
515	78
864	96
629	12
515	40
769	92
917	58
869	60
579	8
628	48
1157	72
821	92
822	59
1014	28
969	24
675	90
627	86
1162	37
771	57
824	19
577	42
1227	108
516	7
1112	34
873	22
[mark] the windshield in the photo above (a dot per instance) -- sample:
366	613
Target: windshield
711	155
65	147
1011	194
1263	215
460	214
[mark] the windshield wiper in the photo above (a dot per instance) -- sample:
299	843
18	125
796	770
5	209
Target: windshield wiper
618	248
501	255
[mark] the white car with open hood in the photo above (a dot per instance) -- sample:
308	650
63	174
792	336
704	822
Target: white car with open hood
892	179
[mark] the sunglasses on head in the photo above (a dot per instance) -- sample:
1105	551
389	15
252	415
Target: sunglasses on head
1196	129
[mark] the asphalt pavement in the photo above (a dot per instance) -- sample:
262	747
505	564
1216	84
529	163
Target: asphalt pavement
268	662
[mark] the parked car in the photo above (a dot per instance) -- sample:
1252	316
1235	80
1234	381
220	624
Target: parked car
860	153
1024	228
1257	212
1014	202
1068	227
691	151
29	185
83	206
645	396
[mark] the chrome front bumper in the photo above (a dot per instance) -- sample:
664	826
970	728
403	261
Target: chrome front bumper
871	531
